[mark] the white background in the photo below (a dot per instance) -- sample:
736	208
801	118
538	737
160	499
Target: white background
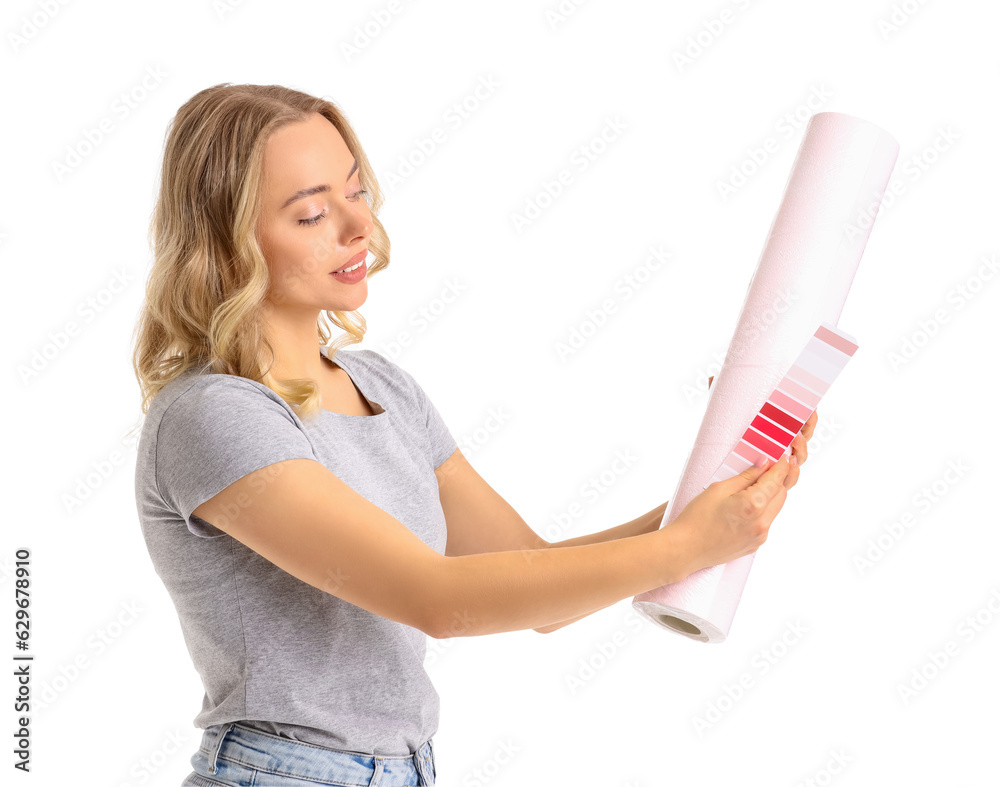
118	710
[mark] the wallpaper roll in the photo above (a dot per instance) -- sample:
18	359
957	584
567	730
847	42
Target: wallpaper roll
802	279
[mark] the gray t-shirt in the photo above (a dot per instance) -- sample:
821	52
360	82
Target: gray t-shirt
274	652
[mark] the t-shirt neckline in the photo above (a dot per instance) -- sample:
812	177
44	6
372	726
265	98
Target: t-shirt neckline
372	403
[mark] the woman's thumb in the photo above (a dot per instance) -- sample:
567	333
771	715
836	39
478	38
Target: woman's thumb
748	477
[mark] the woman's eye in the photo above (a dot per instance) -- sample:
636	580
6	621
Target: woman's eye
311	222
314	220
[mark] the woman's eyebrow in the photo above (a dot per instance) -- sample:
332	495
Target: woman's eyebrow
321	189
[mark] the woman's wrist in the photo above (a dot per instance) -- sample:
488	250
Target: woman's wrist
680	549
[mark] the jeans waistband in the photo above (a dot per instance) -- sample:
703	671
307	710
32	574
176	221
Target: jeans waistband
287	757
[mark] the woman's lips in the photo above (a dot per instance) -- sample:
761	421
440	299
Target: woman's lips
353	261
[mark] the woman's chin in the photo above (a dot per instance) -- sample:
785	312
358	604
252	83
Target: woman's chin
353	299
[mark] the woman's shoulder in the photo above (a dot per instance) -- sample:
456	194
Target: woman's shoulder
201	401
376	367
200	388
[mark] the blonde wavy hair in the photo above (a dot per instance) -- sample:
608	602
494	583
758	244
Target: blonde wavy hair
206	290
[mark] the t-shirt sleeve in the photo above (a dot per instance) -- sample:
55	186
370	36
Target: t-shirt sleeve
443	444
217	431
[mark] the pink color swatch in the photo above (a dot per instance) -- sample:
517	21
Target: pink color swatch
780	418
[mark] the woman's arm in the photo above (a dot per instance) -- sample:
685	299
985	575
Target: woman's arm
304	519
651	521
300	516
480	520
646	523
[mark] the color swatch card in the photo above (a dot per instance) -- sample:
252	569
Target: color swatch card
790	404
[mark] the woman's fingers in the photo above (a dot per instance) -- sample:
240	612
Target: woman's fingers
774	504
769	485
800	449
810	425
793	475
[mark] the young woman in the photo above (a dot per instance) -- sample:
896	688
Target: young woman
306	506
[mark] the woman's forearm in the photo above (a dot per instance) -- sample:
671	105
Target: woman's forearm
647	523
522	589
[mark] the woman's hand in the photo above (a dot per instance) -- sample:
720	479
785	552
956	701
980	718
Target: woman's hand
730	518
799	449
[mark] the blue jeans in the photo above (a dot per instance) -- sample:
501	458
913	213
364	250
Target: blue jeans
232	755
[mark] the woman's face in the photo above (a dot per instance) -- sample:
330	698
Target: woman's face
314	217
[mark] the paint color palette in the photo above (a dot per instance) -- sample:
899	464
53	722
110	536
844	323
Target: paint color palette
772	430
